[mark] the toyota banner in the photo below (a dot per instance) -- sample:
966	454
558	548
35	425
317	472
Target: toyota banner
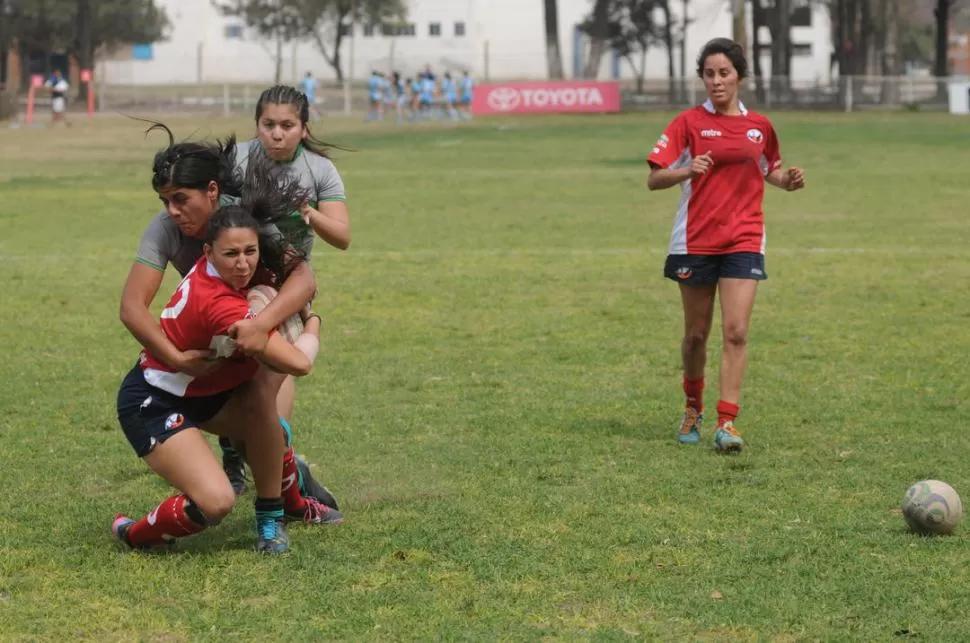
546	97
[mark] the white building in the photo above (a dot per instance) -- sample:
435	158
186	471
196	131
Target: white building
495	39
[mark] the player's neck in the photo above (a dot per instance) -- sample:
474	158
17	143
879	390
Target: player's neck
729	108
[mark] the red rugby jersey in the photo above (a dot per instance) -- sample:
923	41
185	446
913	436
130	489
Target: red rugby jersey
721	211
198	316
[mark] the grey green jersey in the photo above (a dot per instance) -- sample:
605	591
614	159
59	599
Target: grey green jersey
164	243
315	173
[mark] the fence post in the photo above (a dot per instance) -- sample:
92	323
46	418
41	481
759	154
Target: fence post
226	110
848	93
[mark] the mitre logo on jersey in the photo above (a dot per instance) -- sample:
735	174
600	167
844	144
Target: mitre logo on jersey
710	133
755	136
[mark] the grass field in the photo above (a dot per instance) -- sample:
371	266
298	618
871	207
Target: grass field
497	399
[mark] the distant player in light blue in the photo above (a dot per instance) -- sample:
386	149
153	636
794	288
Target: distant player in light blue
449	95
415	102
309	86
375	93
428	88
467	85
397	95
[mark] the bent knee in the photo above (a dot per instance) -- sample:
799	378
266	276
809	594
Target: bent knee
216	503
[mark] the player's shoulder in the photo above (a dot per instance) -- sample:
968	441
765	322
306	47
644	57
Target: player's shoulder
759	119
318	162
690	115
163	225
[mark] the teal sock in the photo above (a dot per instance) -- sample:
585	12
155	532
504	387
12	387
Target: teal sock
287	430
269	509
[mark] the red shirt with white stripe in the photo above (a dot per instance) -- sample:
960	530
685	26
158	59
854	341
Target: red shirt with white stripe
719	212
198	316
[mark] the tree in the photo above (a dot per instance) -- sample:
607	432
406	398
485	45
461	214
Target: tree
667	36
759	18
276	21
597	27
941	67
779	26
632	31
81	27
325	23
110	23
553	54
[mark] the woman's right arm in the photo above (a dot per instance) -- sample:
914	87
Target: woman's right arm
139	292
294	359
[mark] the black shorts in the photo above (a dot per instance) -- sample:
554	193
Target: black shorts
149	415
706	270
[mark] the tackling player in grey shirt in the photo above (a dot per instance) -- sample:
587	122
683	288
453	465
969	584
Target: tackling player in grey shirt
282	134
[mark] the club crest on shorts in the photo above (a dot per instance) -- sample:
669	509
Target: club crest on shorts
684	272
755	135
174	421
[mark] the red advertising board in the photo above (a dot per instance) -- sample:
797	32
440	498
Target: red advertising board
546	97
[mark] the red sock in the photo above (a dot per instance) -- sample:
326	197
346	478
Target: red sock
292	500
726	412
168	520
694	390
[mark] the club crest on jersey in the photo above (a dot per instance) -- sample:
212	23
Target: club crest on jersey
755	136
174	421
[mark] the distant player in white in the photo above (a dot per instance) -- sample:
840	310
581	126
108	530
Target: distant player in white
59	88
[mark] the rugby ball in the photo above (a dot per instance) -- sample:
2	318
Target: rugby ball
259	297
931	507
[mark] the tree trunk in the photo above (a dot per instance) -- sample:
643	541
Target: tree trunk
553	53
775	28
668	38
851	41
865	36
332	60
685	21
784	30
941	67
757	21
278	59
739	30
890	49
598	34
84	48
637	72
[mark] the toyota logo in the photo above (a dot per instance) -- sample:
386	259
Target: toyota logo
503	99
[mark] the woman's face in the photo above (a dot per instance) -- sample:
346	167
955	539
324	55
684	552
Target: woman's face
234	254
190	208
280	131
720	80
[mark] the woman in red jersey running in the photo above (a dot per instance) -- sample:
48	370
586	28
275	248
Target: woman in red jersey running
721	154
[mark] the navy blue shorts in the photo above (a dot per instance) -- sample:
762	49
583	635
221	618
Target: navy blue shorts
149	415
706	270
